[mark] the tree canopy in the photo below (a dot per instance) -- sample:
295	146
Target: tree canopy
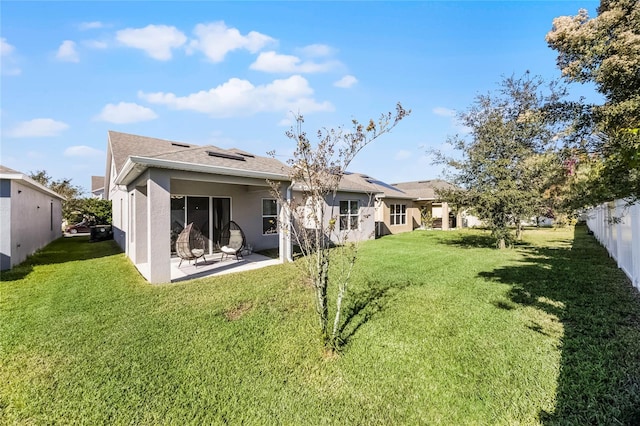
508	166
74	207
605	50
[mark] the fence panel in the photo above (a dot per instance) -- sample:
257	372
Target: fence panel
616	226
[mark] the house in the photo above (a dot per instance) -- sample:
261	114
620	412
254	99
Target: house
97	187
30	217
158	186
428	203
352	207
394	209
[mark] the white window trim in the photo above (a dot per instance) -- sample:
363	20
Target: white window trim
274	216
349	215
393	217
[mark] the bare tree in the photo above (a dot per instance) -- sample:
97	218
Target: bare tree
319	228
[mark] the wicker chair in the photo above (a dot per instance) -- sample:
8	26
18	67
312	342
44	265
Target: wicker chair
232	240
190	245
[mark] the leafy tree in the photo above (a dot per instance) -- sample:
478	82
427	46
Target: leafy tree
507	161
316	171
71	205
605	50
97	210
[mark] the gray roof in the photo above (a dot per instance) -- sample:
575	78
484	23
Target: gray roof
5	169
124	145
8	173
97	182
373	185
424	189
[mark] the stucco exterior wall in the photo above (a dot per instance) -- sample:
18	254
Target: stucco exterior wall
366	215
384	217
30	220
246	205
5	224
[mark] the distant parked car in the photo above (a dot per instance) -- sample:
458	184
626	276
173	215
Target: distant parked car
78	228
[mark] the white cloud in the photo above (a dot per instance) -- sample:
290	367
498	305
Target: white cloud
275	62
125	112
67	52
238	97
8	63
90	25
82	151
215	40
156	40
402	155
444	112
346	82
5	48
316	50
38	128
95	44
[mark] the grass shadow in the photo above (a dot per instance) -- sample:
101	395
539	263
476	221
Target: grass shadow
599	381
364	305
470	241
61	250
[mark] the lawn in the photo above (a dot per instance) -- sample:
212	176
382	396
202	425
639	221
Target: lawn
440	329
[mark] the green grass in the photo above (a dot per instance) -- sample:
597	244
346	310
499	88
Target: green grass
440	329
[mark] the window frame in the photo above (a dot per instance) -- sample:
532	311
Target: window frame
397	214
269	216
349	216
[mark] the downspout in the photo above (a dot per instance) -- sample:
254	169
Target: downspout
289	248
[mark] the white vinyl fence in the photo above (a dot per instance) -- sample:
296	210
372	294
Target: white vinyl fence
617	226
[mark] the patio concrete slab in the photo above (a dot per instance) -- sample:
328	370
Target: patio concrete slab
214	265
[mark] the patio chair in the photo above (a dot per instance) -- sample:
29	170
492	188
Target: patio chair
190	245
232	240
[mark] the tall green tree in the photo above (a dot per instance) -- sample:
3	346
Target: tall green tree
507	162
605	50
71	205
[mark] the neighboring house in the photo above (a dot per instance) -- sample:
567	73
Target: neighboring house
97	187
352	208
427	202
395	211
30	217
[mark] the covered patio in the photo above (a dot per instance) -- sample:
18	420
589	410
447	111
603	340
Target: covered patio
214	266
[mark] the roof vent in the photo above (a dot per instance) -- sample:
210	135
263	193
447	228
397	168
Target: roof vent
245	154
181	145
225	155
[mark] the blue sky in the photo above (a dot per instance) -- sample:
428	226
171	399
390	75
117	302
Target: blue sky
231	74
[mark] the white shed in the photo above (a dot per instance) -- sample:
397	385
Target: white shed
30	217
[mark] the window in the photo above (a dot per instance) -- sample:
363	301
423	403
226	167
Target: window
269	216
349	216
398	214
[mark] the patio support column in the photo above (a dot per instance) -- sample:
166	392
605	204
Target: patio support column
285	248
459	220
158	222
138	225
445	216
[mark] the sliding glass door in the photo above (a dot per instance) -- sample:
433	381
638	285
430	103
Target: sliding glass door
208	214
221	216
198	213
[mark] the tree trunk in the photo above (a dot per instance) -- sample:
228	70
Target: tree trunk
519	231
502	244
322	279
